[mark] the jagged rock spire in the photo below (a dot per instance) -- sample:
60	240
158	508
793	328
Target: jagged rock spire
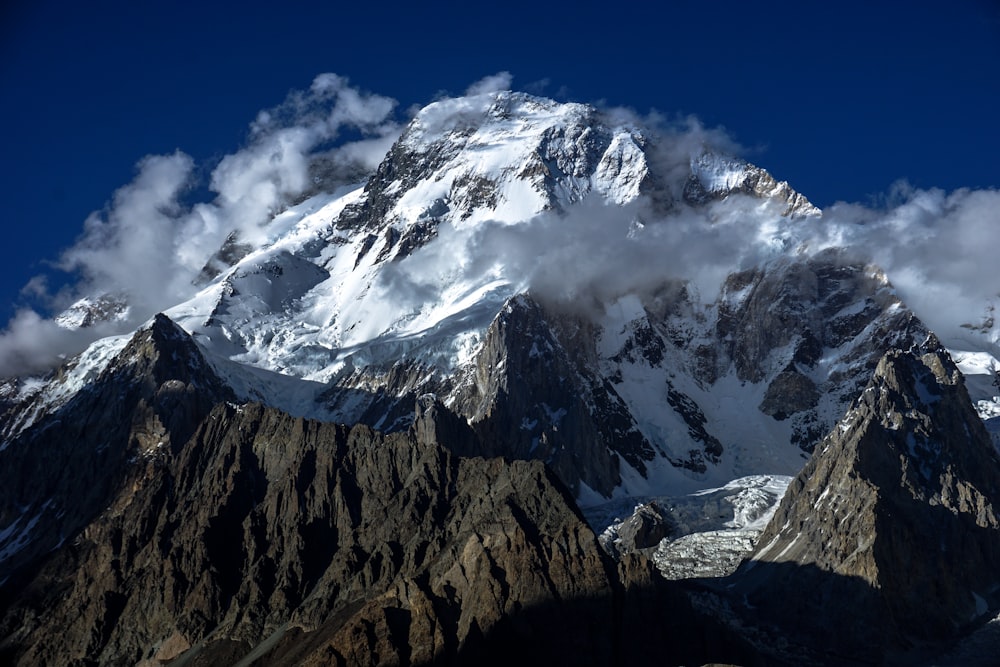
889	536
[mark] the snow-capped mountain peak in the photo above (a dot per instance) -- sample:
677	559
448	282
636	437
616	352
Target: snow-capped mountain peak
715	176
352	303
385	393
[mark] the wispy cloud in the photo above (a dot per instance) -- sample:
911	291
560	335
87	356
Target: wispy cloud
939	249
149	246
491	84
122	249
31	343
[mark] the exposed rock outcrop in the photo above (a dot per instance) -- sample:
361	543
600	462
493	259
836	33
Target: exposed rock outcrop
530	397
822	324
57	476
281	540
715	177
640	532
888	541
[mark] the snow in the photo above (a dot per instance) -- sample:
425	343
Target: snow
621	170
718	173
44	394
310	314
588	498
553	416
975	363
280	311
981	370
313	306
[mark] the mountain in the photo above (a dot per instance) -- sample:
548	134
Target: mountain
60	473
354	306
389	427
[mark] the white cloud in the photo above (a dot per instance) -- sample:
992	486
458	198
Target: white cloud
491	84
587	256
150	247
938	249
253	183
123	249
32	344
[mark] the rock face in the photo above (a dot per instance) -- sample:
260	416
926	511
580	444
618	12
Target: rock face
563	153
62	472
333	303
716	176
813	331
263	523
254	535
804	336
87	312
642	531
196	499
530	397
891	527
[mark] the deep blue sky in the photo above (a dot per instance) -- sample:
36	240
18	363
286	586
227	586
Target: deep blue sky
841	99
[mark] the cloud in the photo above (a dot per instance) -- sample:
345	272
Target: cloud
491	84
592	252
150	247
122	250
253	183
939	250
32	344
537	87
587	256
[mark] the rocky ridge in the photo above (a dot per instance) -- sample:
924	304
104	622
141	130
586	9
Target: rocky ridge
259	537
308	323
892	524
61	472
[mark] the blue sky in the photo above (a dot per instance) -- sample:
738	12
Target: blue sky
840	99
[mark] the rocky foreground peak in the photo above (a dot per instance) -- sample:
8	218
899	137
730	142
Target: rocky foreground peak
275	540
888	539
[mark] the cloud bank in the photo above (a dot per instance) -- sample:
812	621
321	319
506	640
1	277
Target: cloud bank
940	250
491	84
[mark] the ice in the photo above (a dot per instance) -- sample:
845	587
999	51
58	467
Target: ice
713	528
315	305
981	370
308	300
